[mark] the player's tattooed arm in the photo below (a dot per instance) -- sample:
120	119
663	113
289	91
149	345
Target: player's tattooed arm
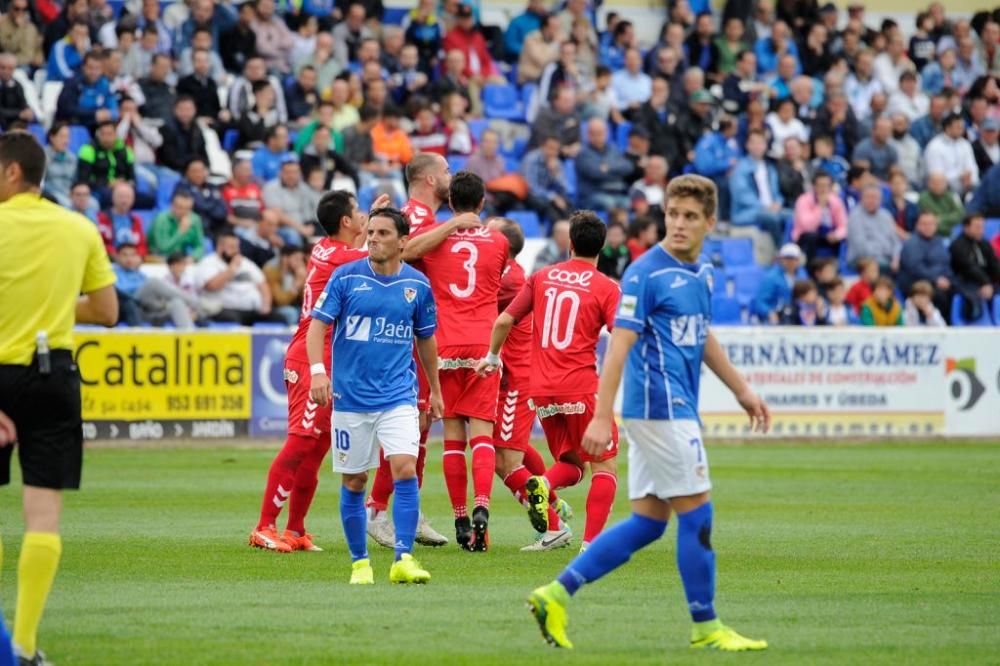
319	383
755	407
598	433
427	351
418	246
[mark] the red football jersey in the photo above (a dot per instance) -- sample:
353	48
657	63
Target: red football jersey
419	215
246	201
517	348
571	302
327	256
465	272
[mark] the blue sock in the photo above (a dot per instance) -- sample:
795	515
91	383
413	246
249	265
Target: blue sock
353	517
405	512
696	561
6	647
610	550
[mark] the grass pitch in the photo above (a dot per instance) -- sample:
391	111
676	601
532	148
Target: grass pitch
836	555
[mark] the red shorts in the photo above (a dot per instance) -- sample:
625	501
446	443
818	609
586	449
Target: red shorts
565	419
465	393
515	417
305	417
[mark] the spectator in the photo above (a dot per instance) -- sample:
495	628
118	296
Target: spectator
428	134
288	197
86	99
806	308
742	85
541	48
423	30
923	45
239	43
60	165
286	277
924	256
908	99
68	53
479	65
909	155
987	148
927	127
951	154
564	72
968	67
837	120
487	162
390	142
200	86
861	86
556	249
243	197
261	242
986	199
939	75
730	44
755	194
304	42
13	103
138	59
601	171
320	154
890	65
903	211
456	129
871	231
349	34
142	298
359	150
825	160
875	152
202	41
182	138
118	225
780	86
868	273
274	39
632	86
650	192
268	158
20	37
975	267
942	202
794	171
258	120
521	28
231	286
784	125
989	46
204	16
159	94
105	161
775	291
716	153
920	309
178	229
322	60
769	50
693	122
241	95
408	81
820	222
882	308
642	235
838	313
622	38
208	201
615	256
453	79
548	191
560	120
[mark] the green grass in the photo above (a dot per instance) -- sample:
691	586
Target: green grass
836	555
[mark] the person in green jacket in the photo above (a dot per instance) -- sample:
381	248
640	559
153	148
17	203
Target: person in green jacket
178	229
324	118
941	201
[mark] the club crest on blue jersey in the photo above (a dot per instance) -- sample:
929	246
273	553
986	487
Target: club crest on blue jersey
409	294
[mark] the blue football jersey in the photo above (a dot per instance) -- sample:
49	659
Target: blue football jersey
669	304
375	318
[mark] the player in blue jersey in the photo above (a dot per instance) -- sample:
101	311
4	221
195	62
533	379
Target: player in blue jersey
662	331
379	306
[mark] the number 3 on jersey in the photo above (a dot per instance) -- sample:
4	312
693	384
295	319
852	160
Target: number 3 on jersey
555	300
470	268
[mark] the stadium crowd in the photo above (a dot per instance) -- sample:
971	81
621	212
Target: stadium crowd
200	135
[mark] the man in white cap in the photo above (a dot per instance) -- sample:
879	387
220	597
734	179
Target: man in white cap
776	288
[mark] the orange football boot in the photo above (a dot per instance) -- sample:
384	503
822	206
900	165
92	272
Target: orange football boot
304	542
268	539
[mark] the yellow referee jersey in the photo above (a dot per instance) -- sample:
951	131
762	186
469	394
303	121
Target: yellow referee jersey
48	257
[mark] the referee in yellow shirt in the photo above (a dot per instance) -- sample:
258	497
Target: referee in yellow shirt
54	272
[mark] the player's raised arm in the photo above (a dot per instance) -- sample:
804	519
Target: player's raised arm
598	433
718	362
419	245
319	384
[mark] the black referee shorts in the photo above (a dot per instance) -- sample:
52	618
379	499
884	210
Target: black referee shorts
46	412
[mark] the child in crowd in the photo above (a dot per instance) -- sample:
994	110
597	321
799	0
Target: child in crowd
882	308
825	160
824	271
838	312
920	310
862	289
806	308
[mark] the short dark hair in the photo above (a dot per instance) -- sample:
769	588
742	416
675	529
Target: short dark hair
394	214
586	233
513	233
466	192
271	132
93	55
191	161
885	281
103	123
332	208
966	221
183	98
176	258
802	287
182	193
821	173
22	148
257	86
79	183
56	126
639	225
367	113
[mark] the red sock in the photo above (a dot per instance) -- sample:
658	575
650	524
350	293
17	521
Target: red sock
382	485
484	461
515	482
599	500
281	478
563	475
455	476
534	462
306	480
422	458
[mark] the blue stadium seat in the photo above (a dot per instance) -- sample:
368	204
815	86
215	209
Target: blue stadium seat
746	282
736	252
621	134
569	170
603	214
528	92
146	216
165	189
512	164
530	224
845	270
39	132
230	139
956	314
517	148
444	214
79	136
726	311
394	15
477	126
992	228
720	282
457	162
209	245
712	249
366	196
503	102
996	310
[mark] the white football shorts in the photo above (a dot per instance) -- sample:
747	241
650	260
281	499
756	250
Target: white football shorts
666	459
356	437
